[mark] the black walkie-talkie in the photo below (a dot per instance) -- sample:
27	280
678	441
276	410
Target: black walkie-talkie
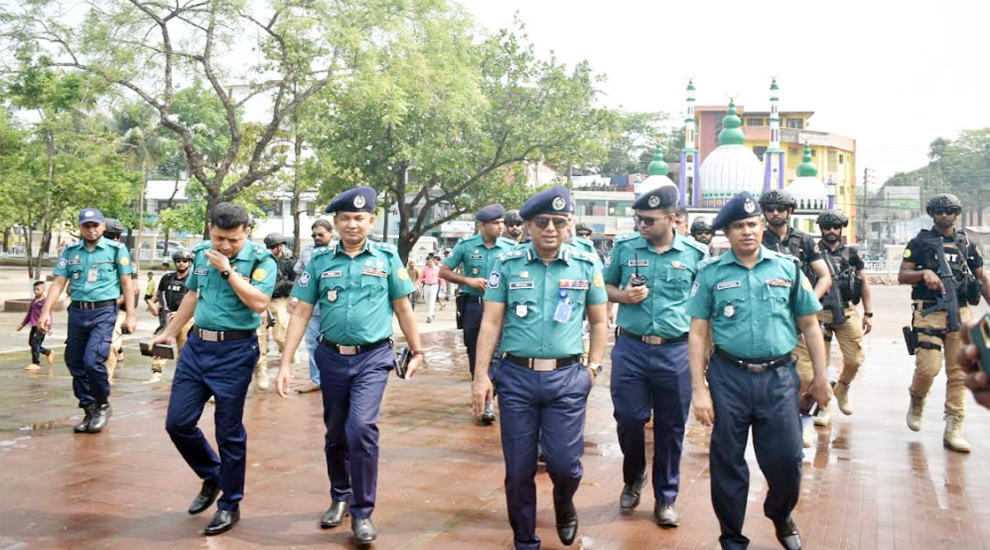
637	280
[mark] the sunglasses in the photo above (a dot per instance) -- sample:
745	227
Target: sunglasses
645	220
702	232
513	224
183	261
558	223
830	227
944	211
776	208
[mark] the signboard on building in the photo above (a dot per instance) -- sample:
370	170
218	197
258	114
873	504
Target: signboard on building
902	198
457	228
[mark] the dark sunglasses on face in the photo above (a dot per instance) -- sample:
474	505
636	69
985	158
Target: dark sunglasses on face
830	227
558	223
645	220
183	261
776	208
702	232
944	211
513	224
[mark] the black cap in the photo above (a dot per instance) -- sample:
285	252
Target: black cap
664	196
556	200
490	213
359	199
740	207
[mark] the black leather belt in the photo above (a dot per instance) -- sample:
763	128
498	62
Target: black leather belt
208	335
92	305
352	350
753	365
654	340
468	299
542	364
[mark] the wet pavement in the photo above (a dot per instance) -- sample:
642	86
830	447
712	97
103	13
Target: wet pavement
869	482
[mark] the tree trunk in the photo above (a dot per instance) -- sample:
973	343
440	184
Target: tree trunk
27	250
212	200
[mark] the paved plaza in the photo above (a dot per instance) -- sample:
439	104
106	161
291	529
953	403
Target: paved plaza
869	482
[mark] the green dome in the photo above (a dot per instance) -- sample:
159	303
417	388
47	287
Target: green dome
807	168
731	134
658	167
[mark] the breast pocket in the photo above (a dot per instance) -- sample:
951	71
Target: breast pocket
776	299
372	285
522	302
677	282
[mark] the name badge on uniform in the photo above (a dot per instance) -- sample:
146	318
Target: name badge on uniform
476	257
75	261
327	274
730	284
729	311
522	310
638	263
93	275
521	284
199	272
332	295
574	284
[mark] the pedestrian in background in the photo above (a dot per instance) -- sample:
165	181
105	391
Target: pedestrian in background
429	282
414	276
36	338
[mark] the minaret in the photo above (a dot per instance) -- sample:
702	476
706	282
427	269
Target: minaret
773	158
689	156
658	170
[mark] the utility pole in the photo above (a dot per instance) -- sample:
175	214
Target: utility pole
866	207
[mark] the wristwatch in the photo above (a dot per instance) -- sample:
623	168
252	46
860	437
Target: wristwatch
225	274
595	368
419	352
868	314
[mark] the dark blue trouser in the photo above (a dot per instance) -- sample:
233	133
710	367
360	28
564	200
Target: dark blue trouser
37	342
651	379
86	350
767	402
471	323
549	407
352	387
223	370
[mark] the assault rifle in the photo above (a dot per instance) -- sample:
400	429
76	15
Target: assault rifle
833	299
948	301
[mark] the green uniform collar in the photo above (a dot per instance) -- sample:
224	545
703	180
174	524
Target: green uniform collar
339	248
677	244
730	256
564	254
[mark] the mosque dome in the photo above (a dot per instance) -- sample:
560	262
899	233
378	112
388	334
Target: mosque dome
658	174
732	167
808	191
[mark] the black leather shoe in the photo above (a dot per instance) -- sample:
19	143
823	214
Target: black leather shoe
567	524
788	535
206	497
334	515
83	426
629	499
666	515
100	418
222	521
364	531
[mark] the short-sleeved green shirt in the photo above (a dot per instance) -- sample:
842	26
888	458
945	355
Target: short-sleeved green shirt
530	290
477	258
217	305
354	294
750	309
669	277
584	245
94	276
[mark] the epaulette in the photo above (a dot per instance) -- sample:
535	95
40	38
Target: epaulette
322	250
626	237
386	247
706	262
203	245
703	248
503	240
115	244
579	254
466	239
510	255
261	252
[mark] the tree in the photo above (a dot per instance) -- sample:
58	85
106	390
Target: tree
147	47
67	162
639	132
441	125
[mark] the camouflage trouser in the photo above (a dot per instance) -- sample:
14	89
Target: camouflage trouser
116	344
850	337
928	361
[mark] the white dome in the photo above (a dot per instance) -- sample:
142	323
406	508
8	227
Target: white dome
727	171
809	192
651	183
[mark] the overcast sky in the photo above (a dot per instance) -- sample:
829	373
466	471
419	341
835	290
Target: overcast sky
892	75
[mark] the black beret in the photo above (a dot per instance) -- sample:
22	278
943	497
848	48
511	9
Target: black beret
490	213
664	196
740	207
359	199
556	200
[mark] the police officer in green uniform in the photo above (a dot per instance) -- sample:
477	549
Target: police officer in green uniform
753	301
99	271
581	238
649	274
231	284
357	284
476	256
536	300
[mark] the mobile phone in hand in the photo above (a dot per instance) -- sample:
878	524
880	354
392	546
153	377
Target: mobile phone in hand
402	362
159	350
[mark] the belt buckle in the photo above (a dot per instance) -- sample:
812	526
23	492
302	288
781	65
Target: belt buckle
544	365
209	335
756	368
347	350
653	340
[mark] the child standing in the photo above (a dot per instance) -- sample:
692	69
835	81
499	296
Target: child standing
37	337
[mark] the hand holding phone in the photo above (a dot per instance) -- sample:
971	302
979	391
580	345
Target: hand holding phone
158	350
402	359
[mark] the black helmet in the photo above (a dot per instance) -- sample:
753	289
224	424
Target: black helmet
943	200
114	229
700	225
583	227
275	239
181	254
512	217
777	196
832	217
